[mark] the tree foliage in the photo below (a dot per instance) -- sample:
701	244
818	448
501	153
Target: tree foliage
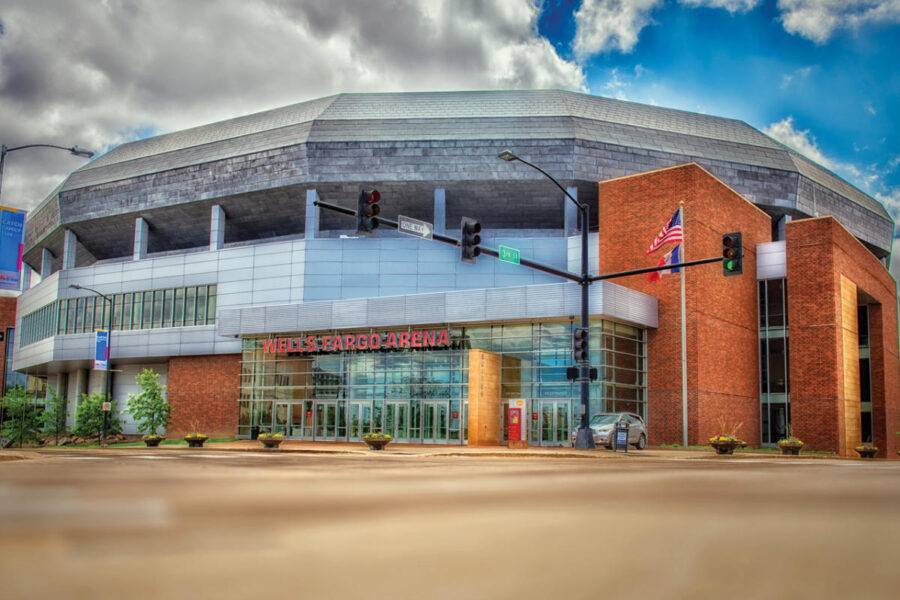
89	417
54	415
149	408
21	418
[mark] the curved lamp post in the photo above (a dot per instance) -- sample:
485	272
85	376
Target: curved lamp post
75	150
75	286
584	439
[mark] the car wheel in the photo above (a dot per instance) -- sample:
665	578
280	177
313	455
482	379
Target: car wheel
641	443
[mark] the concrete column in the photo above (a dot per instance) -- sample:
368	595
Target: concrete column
26	277
46	263
141	237
440	211
571	213
312	215
70	245
784	220
216	228
81	384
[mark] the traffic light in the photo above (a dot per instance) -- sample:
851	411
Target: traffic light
367	210
732	254
580	344
469	239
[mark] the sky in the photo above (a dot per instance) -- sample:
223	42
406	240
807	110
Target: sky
817	75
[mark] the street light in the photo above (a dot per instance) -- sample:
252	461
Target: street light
75	150
75	286
584	439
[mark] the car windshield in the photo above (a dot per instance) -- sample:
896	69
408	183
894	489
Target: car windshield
604	419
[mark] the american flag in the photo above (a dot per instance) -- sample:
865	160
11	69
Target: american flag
670	258
670	233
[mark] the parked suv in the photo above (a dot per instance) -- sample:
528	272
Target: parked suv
603	426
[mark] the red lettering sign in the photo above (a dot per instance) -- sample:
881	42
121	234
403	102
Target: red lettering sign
419	338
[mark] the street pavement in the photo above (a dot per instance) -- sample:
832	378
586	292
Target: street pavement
338	521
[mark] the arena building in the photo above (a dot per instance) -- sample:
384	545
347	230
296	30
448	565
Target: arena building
262	311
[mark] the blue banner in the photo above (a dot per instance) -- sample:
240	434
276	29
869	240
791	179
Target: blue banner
12	240
101	350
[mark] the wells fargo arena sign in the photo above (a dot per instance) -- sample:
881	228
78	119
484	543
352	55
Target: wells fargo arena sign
392	340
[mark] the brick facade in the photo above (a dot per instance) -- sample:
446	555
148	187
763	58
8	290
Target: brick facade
722	334
819	253
829	273
204	392
7	320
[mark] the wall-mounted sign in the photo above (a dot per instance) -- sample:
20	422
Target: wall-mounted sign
101	350
12	238
351	342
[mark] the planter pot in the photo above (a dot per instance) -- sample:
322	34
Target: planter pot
867	453
376	443
153	442
270	444
790	449
195	442
725	447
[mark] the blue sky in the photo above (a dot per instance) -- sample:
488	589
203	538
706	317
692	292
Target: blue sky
840	95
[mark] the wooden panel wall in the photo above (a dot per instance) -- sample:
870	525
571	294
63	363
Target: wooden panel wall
850	333
484	398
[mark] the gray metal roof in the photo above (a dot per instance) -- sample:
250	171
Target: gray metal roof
522	114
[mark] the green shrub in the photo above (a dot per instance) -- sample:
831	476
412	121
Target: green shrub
89	417
21	418
54	415
149	408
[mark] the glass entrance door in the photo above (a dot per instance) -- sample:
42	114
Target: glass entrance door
435	428
396	420
326	421
555	422
360	420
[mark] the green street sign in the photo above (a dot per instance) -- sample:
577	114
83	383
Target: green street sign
510	255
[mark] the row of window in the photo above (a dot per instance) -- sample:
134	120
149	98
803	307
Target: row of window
174	307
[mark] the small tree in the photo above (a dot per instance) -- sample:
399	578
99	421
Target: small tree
54	415
149	408
89	417
21	418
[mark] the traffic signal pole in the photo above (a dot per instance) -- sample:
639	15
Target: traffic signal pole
584	439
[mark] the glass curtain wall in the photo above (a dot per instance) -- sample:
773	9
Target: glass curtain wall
865	376
774	355
174	307
420	395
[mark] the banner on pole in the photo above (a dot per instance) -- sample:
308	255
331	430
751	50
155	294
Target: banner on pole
12	242
101	350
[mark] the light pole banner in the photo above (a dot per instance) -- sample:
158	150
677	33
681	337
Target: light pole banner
101	350
12	241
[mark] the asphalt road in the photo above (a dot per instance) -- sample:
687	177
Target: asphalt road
207	524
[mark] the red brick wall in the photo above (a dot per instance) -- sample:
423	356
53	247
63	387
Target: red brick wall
204	390
722	333
819	251
7	319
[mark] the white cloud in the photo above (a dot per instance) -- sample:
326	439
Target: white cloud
96	73
817	20
869	108
607	25
798	75
806	144
731	6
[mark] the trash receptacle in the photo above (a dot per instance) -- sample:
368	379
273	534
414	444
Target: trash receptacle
254	432
621	436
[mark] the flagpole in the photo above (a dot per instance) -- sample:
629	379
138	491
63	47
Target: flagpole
684	405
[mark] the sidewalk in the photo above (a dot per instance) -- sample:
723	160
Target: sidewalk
360	449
